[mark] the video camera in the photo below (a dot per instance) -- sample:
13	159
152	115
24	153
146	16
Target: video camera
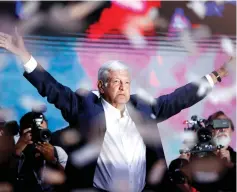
39	134
203	145
203	129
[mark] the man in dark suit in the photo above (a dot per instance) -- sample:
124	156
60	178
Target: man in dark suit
113	121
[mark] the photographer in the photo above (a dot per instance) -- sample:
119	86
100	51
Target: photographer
7	162
218	159
34	152
226	153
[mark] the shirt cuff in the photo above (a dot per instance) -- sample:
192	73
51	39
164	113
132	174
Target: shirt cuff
210	80
30	65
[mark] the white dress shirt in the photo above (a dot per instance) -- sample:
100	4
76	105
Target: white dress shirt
122	160
123	154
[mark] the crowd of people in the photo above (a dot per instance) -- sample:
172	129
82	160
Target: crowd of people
113	125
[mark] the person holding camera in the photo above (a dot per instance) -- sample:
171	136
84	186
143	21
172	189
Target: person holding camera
35	153
220	154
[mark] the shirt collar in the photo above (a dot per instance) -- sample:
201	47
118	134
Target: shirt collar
112	110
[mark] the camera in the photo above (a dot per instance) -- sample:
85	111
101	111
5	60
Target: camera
202	145
39	134
203	130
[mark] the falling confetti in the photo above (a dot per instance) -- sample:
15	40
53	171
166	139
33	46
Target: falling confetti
135	5
153	116
28	9
135	37
205	177
201	32
85	155
59	18
222	95
203	85
153	13
145	96
189	139
51	176
70	137
198	8
220	2
30	103
157	172
227	46
187	42
7	114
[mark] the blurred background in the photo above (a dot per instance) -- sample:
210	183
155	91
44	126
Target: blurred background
166	44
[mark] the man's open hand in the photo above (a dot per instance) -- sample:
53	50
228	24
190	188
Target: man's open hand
14	44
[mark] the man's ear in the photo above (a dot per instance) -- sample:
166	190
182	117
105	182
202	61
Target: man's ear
100	86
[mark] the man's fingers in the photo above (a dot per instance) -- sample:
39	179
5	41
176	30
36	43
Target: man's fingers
26	130
3	35
2	45
16	32
41	149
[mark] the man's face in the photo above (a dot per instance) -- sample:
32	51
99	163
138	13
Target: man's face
222	135
117	91
44	125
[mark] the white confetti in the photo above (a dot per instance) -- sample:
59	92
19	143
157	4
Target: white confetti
145	96
227	46
70	137
157	172
153	13
220	2
203	85
198	8
7	114
189	139
205	177
51	176
203	31
29	8
59	18
222	95
84	84
153	116
30	103
121	184
133	4
187	42
135	37
85	155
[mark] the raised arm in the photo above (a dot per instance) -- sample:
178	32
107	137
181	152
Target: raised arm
186	96
61	96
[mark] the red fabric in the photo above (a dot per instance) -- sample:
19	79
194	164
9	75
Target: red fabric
113	19
193	189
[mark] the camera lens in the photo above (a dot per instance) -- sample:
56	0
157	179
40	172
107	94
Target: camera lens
204	135
45	135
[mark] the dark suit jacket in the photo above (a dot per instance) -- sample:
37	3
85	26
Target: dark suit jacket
86	112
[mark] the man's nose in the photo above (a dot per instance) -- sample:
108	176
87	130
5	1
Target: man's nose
221	130
121	87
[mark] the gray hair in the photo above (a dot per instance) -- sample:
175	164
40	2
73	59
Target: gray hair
113	65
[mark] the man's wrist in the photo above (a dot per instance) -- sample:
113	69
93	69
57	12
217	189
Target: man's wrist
222	72
218	74
25	57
